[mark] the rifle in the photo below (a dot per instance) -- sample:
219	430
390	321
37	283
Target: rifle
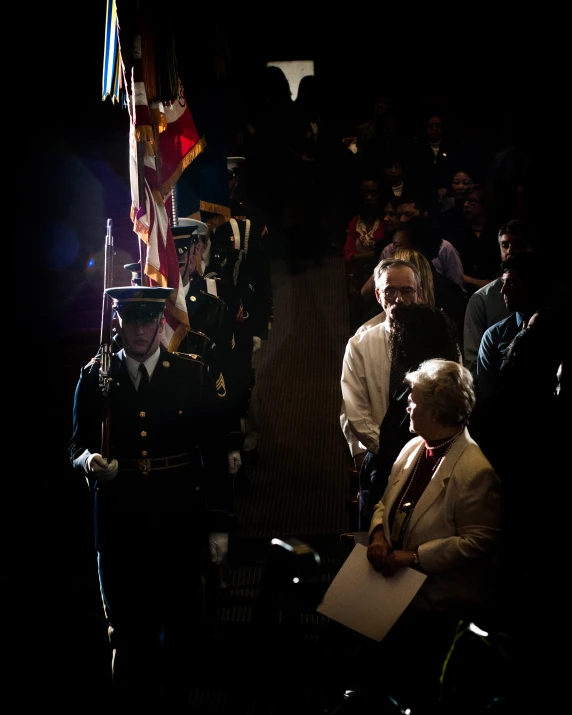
105	343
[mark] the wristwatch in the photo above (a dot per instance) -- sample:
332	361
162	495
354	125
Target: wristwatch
415	558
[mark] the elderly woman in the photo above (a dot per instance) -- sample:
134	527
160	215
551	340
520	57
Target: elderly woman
441	509
440	514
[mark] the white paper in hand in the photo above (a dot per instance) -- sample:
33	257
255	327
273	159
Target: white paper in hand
365	601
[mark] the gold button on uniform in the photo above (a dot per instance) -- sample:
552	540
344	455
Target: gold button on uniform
193	298
143	434
180	412
198	489
166	363
142	414
144	453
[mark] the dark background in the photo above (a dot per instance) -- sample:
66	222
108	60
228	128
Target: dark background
480	69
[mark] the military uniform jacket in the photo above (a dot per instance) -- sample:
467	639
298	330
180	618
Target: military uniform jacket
219	334
240	256
210	314
240	374
170	446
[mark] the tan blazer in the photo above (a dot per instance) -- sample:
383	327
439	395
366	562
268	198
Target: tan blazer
455	525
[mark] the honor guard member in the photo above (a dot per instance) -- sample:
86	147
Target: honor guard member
161	485
239	254
211	330
212	336
212	325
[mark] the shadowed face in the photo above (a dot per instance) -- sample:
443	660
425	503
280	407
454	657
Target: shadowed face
473	206
514	291
512	244
434	129
401	239
407	211
398	284
461	184
140	336
390	219
370	193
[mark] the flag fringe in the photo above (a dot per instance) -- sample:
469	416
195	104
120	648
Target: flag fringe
215	209
185	162
177	337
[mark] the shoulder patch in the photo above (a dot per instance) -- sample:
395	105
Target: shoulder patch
221	386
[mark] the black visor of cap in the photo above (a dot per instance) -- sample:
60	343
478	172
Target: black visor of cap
145	312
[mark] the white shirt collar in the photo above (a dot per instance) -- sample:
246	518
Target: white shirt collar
133	365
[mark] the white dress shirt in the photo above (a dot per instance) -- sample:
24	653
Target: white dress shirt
365	387
133	366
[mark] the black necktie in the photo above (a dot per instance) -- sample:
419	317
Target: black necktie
143	388
396	377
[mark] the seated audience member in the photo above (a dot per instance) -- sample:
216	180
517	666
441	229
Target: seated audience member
451	206
421	233
457	194
440	514
420	332
522	297
391	222
366	227
366	370
486	306
391	219
365	230
476	240
395	182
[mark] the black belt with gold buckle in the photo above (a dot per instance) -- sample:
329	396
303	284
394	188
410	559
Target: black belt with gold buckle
149	465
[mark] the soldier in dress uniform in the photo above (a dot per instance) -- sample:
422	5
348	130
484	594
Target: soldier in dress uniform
239	253
211	333
213	325
161	485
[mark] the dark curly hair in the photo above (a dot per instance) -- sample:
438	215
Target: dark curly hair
420	332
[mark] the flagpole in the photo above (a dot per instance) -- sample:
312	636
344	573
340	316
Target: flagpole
142	200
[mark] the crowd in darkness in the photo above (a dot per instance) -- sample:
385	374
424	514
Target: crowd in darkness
468	204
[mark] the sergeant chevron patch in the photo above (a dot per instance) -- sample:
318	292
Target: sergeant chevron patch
220	386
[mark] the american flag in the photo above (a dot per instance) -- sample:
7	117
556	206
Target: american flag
163	141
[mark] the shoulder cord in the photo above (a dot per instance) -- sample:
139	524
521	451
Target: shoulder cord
241	252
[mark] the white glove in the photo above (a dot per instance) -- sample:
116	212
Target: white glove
234	462
97	466
218	545
256	343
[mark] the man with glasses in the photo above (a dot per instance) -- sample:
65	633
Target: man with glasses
366	371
